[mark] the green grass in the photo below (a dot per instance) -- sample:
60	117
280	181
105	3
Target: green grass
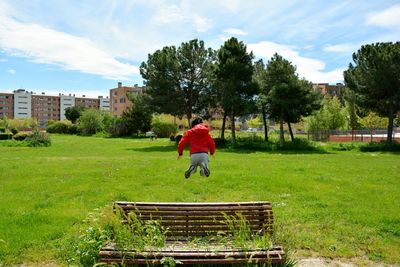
334	204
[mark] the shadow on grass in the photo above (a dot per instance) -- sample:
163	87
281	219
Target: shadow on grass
252	145
380	147
155	148
247	146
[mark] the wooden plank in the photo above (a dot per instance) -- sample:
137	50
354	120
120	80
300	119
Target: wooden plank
198	213
197	208
249	203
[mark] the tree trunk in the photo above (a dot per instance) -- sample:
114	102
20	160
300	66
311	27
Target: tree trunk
188	118
233	127
281	136
223	126
290	131
389	139
264	115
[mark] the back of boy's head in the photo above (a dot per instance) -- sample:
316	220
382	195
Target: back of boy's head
196	121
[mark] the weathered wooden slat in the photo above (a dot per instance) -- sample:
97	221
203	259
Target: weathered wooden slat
184	221
196	208
184	204
199	213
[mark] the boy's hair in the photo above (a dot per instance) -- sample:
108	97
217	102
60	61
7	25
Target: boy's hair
196	121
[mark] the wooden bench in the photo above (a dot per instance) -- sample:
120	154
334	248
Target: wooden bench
185	221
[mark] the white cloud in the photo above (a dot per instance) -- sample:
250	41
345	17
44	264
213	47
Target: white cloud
173	14
340	48
234	31
389	17
12	71
309	68
45	45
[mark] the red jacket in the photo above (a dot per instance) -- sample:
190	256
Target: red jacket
199	140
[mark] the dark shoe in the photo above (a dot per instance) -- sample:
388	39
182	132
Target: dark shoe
189	171
206	170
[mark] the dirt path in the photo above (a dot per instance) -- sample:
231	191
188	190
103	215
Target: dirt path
325	262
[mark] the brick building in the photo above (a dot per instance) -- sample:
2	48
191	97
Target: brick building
25	104
6	105
119	100
332	90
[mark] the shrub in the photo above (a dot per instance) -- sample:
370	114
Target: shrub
14	131
2	129
91	122
5	136
178	138
20	136
163	129
172	138
220	142
383	147
118	128
57	127
38	139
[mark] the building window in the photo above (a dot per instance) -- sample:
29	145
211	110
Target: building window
122	100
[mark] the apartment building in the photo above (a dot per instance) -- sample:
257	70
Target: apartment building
104	103
22	104
332	90
45	108
6	105
119	100
42	107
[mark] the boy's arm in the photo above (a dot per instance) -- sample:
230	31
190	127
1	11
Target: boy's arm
211	145
182	144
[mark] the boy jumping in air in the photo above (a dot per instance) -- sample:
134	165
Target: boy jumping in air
200	142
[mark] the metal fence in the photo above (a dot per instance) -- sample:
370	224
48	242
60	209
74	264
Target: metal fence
377	135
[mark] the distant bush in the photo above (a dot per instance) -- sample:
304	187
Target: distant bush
91	122
57	127
38	139
2	129
178	138
118	128
14	131
220	142
5	136
383	147
172	138
163	129
20	136
72	129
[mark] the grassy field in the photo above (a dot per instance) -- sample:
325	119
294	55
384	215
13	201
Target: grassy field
334	204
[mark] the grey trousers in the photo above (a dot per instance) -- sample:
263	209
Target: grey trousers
199	160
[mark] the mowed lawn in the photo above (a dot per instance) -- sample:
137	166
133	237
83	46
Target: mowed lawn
335	204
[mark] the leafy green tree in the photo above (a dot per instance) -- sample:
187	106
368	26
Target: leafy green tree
177	79
260	78
375	80
254	122
331	116
289	98
234	86
90	122
73	113
138	117
373	121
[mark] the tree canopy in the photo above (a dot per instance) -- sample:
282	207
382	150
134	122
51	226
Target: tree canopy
233	80
289	98
375	79
176	79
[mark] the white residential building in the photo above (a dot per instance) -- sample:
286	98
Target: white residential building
22	104
66	102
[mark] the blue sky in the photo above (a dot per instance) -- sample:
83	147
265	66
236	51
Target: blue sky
86	47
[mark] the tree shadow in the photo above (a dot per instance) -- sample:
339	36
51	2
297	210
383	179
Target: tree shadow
155	148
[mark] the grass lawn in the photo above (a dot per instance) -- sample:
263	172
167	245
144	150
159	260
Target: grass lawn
334	204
